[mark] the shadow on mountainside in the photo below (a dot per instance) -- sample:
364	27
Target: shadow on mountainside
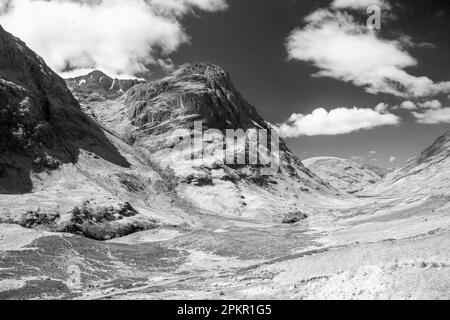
41	124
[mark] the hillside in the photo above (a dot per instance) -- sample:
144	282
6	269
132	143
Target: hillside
425	174
342	174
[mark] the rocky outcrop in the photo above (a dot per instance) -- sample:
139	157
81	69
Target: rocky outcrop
41	123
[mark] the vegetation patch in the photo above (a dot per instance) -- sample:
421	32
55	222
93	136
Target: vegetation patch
294	217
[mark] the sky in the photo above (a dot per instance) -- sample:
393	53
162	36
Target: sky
334	86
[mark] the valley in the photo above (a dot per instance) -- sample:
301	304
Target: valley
97	201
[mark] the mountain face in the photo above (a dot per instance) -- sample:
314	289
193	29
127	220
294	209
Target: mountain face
342	174
149	116
59	170
97	86
424	174
41	124
195	92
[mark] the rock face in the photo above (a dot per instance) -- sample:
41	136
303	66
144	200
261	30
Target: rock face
195	92
149	116
41	124
342	174
424	174
97	86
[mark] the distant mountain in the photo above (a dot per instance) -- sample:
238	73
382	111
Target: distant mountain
382	172
342	174
97	86
424	174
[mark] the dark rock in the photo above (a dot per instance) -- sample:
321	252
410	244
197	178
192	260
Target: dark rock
294	217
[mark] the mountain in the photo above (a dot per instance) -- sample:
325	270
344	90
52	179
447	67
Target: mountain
59	169
342	174
41	123
97	86
424	174
150	116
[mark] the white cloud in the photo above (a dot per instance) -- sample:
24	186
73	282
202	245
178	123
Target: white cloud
434	104
335	122
359	4
433	116
118	37
392	159
345	50
381	108
408	105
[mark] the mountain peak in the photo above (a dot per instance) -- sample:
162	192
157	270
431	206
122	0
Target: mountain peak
97	74
202	90
201	68
98	86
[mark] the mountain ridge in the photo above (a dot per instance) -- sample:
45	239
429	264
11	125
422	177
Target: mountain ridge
421	174
98	86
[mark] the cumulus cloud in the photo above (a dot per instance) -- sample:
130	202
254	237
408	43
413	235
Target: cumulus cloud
433	104
408	105
335	122
116	36
345	50
359	4
433	116
381	108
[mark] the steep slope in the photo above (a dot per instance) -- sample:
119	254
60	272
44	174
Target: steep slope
158	119
426	174
342	174
41	124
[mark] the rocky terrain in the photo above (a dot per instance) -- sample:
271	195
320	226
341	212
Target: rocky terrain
99	201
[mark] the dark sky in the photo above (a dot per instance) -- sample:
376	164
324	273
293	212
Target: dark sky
249	41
